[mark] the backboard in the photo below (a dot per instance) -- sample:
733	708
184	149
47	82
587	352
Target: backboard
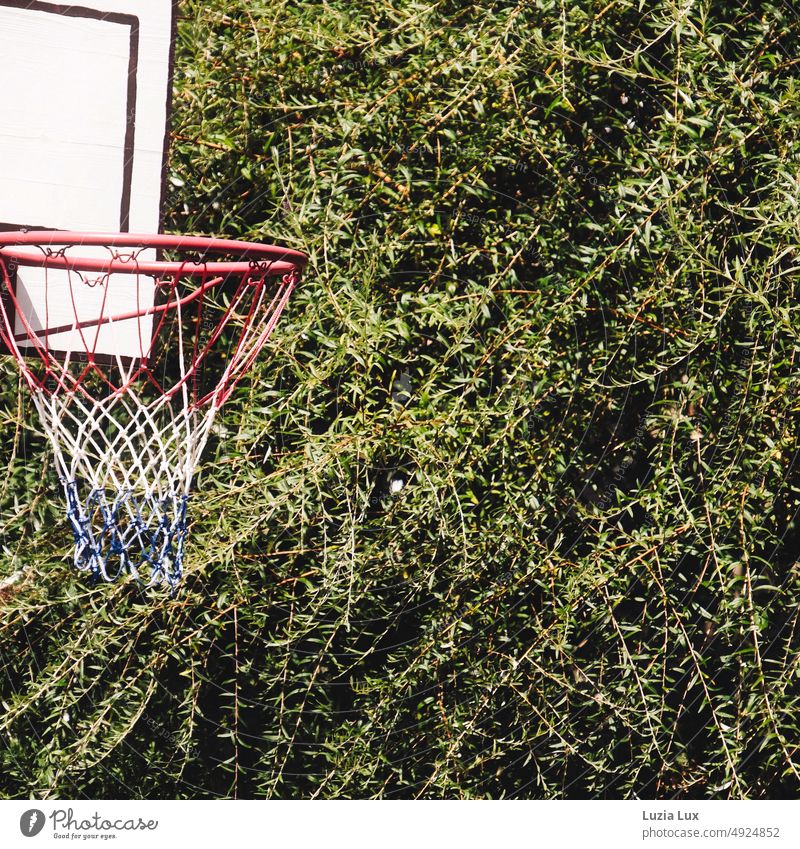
83	140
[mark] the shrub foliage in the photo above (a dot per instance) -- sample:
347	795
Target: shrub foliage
509	506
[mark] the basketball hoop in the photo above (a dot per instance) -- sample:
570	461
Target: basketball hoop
129	345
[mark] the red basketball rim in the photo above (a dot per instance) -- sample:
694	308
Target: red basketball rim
48	250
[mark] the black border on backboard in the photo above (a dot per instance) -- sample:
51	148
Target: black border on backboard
132	22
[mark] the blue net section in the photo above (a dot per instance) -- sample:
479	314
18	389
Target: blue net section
128	534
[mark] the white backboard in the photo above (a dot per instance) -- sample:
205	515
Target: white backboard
85	110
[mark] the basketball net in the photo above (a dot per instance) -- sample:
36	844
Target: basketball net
128	398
